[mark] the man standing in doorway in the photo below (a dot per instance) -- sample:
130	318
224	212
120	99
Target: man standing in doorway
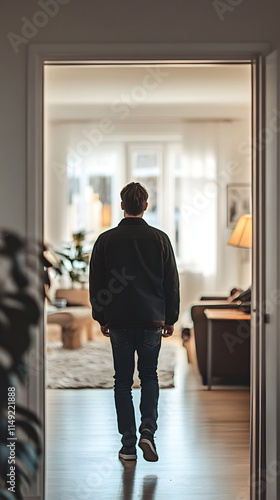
134	293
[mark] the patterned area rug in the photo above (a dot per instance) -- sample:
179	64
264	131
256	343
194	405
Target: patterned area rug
91	366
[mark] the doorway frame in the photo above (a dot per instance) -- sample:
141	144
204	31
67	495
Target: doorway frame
253	53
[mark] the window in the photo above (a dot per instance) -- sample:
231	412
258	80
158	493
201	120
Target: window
92	192
146	167
177	179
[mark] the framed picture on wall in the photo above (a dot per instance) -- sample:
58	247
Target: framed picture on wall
238	202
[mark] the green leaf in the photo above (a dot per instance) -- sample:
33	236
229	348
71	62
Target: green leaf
32	432
4	454
18	273
27	454
65	256
28	414
21	370
6	495
20	472
61	253
23	303
13	242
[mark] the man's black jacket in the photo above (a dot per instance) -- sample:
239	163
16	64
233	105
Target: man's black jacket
133	276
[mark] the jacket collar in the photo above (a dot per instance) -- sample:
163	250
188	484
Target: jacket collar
132	220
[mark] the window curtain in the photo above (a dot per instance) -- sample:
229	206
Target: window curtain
198	199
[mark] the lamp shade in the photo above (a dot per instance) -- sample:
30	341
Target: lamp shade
242	233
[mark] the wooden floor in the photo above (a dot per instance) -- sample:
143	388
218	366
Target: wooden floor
202	441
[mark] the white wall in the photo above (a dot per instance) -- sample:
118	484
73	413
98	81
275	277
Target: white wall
55	196
234	164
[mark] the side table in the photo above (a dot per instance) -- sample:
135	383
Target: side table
214	315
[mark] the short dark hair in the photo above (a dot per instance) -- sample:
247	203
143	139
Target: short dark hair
134	197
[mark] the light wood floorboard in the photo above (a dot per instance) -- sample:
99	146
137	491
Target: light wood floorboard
202	441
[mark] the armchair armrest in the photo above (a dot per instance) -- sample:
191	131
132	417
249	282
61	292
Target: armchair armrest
223	295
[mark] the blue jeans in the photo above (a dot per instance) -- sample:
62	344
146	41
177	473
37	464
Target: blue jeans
147	343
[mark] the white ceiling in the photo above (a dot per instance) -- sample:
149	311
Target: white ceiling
181	92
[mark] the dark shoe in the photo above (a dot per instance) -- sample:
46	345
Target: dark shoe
128	453
147	445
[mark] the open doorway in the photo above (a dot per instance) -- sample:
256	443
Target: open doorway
183	131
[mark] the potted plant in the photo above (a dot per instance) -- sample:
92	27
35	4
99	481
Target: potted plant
75	260
20	309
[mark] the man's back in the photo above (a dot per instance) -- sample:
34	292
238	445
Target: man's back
133	276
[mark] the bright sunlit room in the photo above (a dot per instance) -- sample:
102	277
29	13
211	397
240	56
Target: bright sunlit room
184	132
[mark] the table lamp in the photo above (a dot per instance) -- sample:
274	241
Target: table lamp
242	237
242	234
